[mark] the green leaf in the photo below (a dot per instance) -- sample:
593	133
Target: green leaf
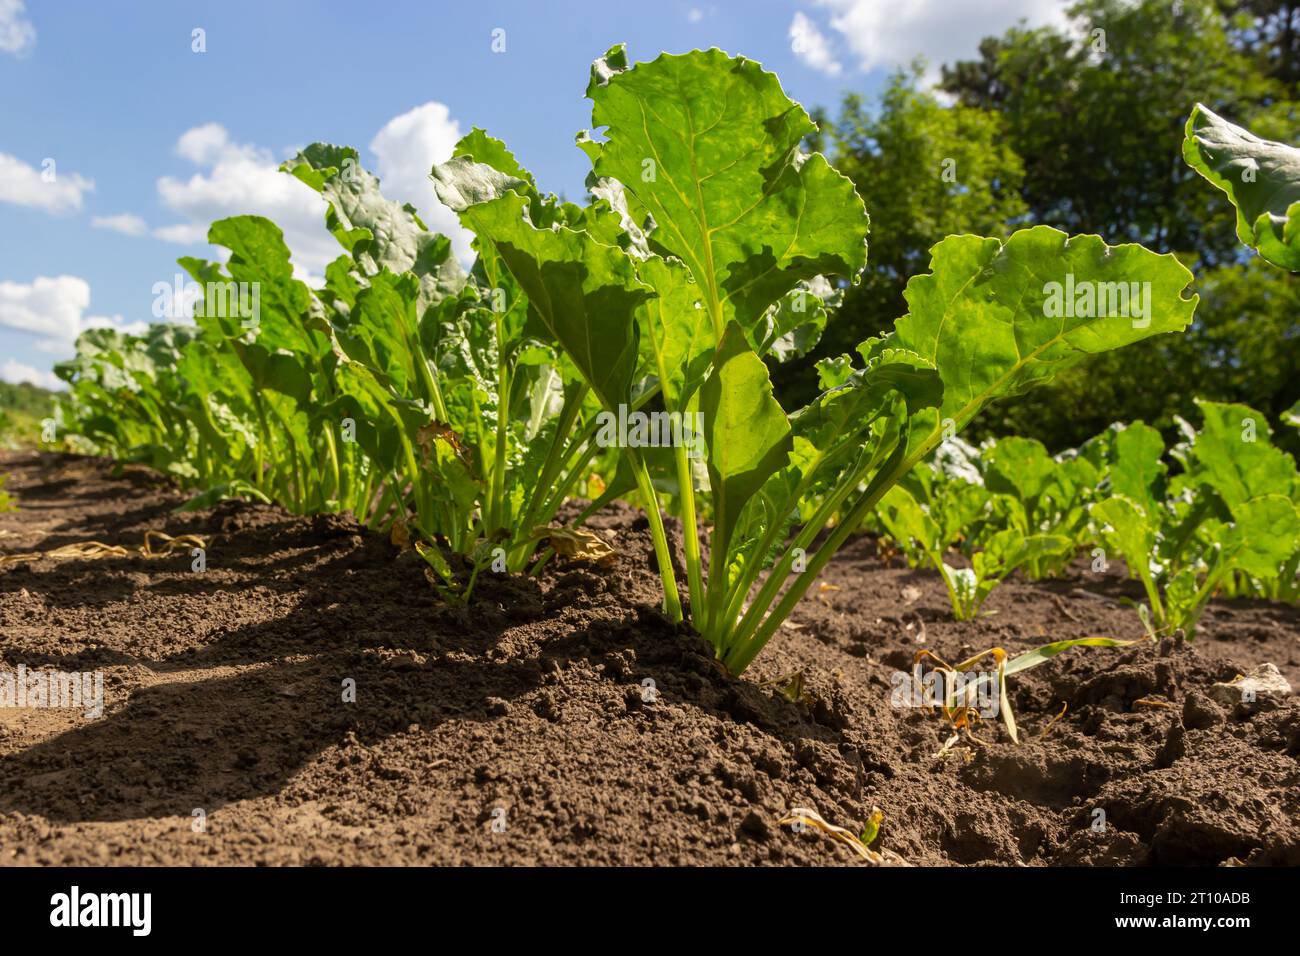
792	327
482	148
381	333
907	522
1007	550
708	145
455	482
1036	547
834	371
1232	455
259	258
959	509
987	315
1127	529
745	429
586	293
1292	415
1020	467
1184	600
367	403
1136	471
675	330
463	181
1262	179
1264	534
1041	655
378	232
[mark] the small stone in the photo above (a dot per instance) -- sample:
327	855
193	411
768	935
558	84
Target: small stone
1262	683
496	707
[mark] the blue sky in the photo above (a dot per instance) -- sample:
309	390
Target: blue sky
148	140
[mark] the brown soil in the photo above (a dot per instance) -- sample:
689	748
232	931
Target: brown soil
224	694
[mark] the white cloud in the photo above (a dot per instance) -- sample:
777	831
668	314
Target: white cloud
183	233
238	178
405	150
46	188
125	223
17	372
886	33
115	322
53	308
208	144
694	15
17	35
49	307
811	46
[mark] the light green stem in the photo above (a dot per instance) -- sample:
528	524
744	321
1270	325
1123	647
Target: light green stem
672	600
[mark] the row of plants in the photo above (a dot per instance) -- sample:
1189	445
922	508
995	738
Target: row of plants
398	391
1217	511
461	409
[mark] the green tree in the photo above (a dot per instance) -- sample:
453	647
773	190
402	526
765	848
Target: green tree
925	171
1269	30
1097	114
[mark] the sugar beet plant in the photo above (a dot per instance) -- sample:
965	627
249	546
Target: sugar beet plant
1007	506
1215	513
709	248
1227	521
706	218
483	417
404	390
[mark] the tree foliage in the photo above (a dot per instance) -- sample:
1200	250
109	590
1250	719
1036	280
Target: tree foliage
1081	129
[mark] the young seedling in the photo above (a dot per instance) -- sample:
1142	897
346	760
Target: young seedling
959	706
968	588
860	845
